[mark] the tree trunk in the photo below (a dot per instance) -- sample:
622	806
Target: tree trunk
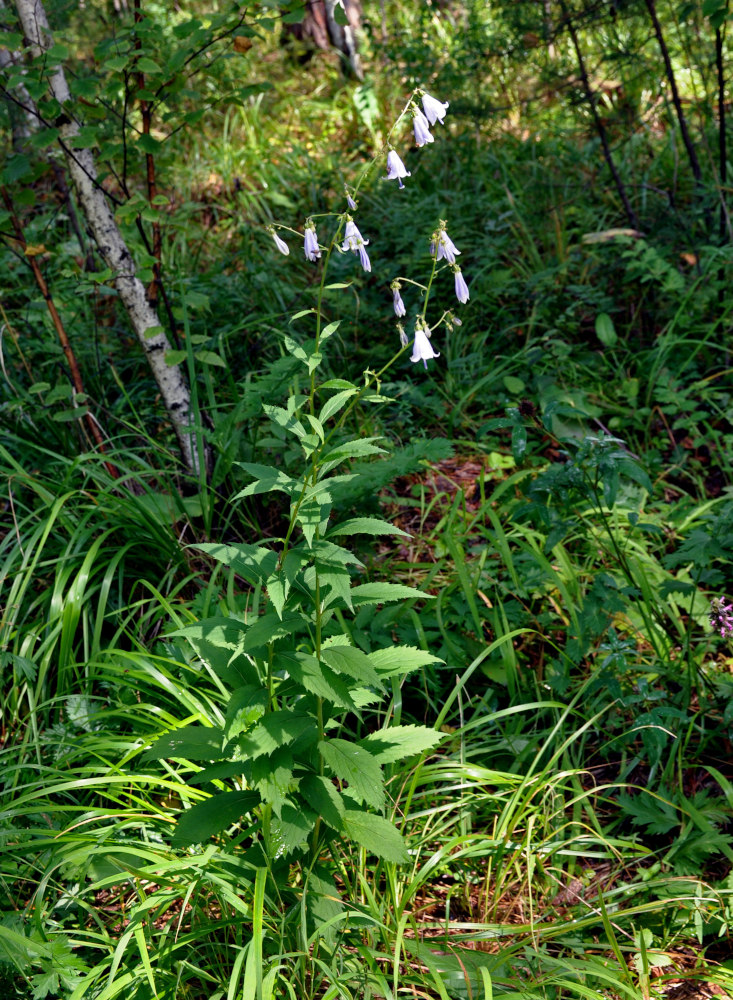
112	247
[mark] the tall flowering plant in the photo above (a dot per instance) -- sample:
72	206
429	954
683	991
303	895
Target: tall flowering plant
296	760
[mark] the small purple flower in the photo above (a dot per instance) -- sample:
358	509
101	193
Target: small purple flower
399	305
310	247
404	339
422	349
350	201
420	127
352	237
396	168
721	616
461	287
434	110
364	258
280	244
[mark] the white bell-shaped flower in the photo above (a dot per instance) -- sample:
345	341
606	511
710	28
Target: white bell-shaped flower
422	349
434	110
396	169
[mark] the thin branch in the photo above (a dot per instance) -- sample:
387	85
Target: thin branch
90	421
600	127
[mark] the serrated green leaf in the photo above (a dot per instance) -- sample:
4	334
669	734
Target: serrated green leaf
338	383
295	349
254	563
318	679
212	816
366	526
329	329
352	662
270	627
317	426
290	830
288	421
266	479
272	776
188	743
358	448
382	593
324	798
219	642
351	763
277	729
400	742
376	834
246	707
398	660
335	403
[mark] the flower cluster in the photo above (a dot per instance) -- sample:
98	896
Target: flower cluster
721	616
442	247
432	111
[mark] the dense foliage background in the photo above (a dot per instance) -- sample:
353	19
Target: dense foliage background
558	482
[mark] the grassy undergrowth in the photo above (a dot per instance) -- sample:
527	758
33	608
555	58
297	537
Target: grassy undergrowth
557	485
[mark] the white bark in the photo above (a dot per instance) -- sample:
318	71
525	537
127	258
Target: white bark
112	247
23	117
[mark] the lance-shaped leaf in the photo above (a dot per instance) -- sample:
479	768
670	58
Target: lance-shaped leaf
366	526
270	627
220	643
318	679
251	562
352	662
351	763
290	830
188	743
383	593
272	777
376	834
398	742
212	816
398	660
359	448
278	729
322	796
266	479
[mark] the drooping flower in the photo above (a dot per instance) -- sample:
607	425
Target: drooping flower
420	127
461	286
434	110
352	237
350	201
399	305
422	349
310	246
364	258
721	616
404	339
396	168
279	243
452	321
447	250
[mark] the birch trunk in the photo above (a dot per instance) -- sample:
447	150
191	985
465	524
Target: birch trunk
115	252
